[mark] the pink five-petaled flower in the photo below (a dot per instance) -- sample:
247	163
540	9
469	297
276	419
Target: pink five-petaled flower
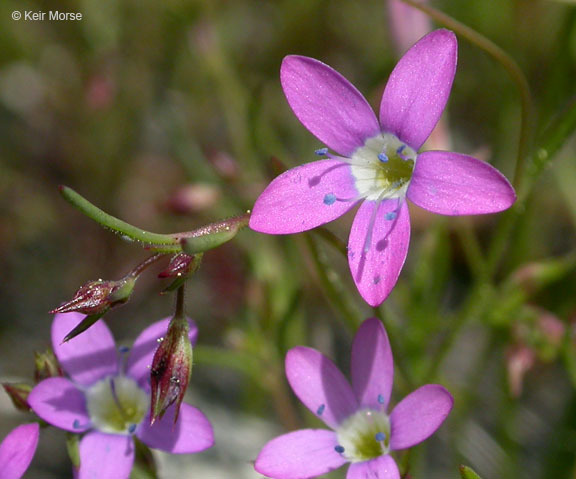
363	433
17	450
108	399
378	161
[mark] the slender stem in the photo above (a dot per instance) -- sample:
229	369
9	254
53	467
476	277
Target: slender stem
145	264
332	239
509	65
179	312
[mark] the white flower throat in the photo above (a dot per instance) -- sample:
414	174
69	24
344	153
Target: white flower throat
364	435
382	168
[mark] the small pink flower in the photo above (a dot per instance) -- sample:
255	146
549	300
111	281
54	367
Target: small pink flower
362	432
17	450
108	400
377	161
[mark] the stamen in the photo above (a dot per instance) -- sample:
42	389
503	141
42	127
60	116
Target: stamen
76	424
321	409
399	152
330	199
339	449
132	428
382	157
381	399
116	399
380	437
391	215
321	152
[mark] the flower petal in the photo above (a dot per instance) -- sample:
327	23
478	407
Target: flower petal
17	450
383	467
89	356
59	402
418	415
300	455
419	87
106	455
191	433
372	365
377	248
142	352
305	197
320	385
327	104
455	184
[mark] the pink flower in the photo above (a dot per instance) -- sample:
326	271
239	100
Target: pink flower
108	399
377	162
362	432
17	450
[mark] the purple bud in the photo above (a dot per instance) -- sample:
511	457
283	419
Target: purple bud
171	369
180	265
97	297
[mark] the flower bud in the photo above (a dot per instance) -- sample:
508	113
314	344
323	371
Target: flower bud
18	393
519	360
46	366
97	297
171	369
181	267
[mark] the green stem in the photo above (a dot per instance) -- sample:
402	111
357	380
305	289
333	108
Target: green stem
112	223
507	63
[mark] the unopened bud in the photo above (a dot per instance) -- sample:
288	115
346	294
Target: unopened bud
18	393
519	360
46	366
97	297
180	265
171	369
534	276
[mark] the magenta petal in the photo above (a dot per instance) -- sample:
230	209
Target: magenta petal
320	385
191	433
372	365
142	352
88	357
377	248
299	455
106	455
327	104
383	467
418	415
17	450
455	184
59	402
419	87
304	197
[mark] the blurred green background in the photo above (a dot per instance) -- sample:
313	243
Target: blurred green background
170	115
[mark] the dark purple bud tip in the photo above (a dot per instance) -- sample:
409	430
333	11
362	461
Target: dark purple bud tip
171	369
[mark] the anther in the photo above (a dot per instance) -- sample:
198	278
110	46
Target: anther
321	152
330	199
400	150
391	215
132	428
382	157
321	409
380	436
76	424
123	349
381	399
339	449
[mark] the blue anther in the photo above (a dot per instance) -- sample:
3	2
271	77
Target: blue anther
321	151
330	199
339	449
380	436
391	215
132	428
382	157
123	349
76	424
400	150
321	409
381	399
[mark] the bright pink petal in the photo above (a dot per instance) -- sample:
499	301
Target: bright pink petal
191	433
59	402
418	415
300	455
383	467
320	385
377	248
372	365
305	197
327	104
17	450
455	184
419	87
106	455
88	357
142	352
